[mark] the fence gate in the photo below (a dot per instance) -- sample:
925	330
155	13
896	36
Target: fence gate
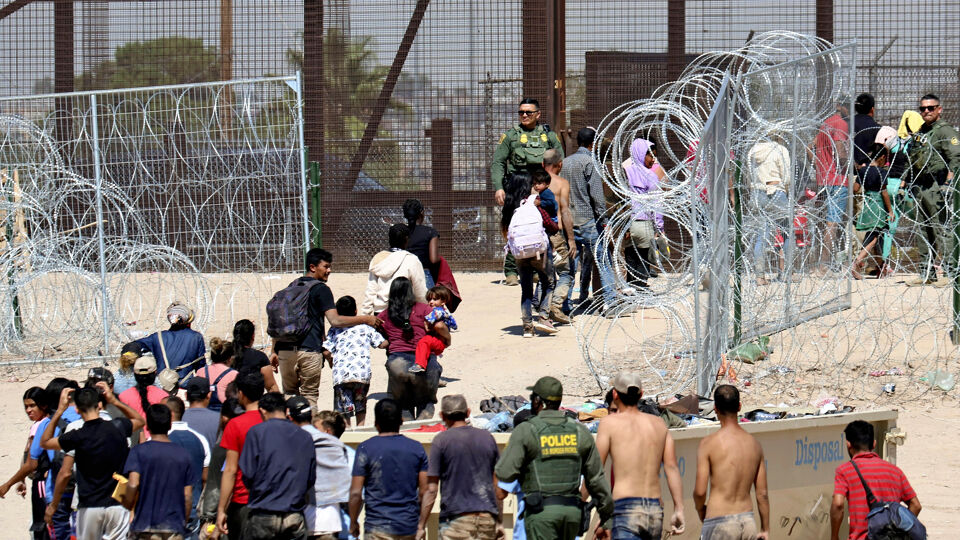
115	203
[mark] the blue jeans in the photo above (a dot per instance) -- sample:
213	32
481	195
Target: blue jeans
586	236
543	266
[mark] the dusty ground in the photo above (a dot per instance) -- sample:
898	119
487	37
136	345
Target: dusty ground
488	356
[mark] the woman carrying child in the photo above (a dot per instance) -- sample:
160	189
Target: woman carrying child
404	325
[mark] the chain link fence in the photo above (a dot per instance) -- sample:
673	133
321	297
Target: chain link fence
116	203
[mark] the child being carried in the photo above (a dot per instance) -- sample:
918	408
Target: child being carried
437	297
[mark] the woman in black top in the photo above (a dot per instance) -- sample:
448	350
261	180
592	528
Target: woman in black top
424	241
247	359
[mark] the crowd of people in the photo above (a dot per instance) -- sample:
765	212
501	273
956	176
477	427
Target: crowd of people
266	466
186	442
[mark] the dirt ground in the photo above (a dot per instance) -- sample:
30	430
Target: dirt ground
488	356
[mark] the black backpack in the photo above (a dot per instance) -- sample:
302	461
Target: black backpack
890	520
288	314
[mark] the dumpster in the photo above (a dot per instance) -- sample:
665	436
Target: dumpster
801	456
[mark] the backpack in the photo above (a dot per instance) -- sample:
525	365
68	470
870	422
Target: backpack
525	235
288	316
215	402
890	520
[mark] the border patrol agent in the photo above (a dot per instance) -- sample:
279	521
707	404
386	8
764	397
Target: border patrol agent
548	454
935	155
521	147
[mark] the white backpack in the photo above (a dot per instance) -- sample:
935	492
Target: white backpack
525	235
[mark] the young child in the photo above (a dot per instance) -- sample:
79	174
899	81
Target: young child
547	200
349	355
437	297
877	210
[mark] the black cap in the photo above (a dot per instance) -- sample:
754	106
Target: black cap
299	409
97	374
197	388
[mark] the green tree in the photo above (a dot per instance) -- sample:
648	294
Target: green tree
157	62
352	80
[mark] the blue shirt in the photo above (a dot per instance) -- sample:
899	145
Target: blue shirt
191	443
183	346
279	466
36	450
391	466
164	469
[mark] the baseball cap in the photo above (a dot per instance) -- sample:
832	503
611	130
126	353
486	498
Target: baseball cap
197	387
453	404
299	408
132	350
97	374
625	380
548	388
145	365
168	380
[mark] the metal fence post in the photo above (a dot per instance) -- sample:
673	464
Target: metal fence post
304	194
98	182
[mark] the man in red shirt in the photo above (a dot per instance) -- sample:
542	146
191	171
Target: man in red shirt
886	481
831	145
231	512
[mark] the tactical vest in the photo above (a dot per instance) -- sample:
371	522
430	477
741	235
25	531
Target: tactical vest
923	156
527	147
556	469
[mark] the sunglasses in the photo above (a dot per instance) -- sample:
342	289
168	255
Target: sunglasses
527	113
928	108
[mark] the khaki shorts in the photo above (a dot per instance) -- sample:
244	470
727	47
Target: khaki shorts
481	526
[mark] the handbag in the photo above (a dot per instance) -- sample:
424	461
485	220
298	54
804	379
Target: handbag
889	520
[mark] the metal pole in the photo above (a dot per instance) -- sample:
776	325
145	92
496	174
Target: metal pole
737	256
98	181
789	240
303	165
955	335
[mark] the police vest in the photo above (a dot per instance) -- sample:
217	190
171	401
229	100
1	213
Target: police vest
527	147
556	469
926	160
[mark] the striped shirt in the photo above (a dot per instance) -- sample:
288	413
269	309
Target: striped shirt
886	481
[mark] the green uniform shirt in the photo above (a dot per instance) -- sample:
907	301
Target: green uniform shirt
518	148
525	446
938	149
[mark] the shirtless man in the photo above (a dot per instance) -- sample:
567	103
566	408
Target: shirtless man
565	248
732	460
638	443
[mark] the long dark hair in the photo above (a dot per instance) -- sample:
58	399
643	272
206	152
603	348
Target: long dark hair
242	336
144	381
517	188
401	303
412	210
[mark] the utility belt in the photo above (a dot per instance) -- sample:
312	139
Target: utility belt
926	180
534	503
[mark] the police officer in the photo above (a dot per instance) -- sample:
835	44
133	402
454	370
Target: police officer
549	454
521	147
935	155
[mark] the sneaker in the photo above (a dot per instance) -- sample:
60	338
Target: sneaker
415	368
545	326
511	280
557	316
528	331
